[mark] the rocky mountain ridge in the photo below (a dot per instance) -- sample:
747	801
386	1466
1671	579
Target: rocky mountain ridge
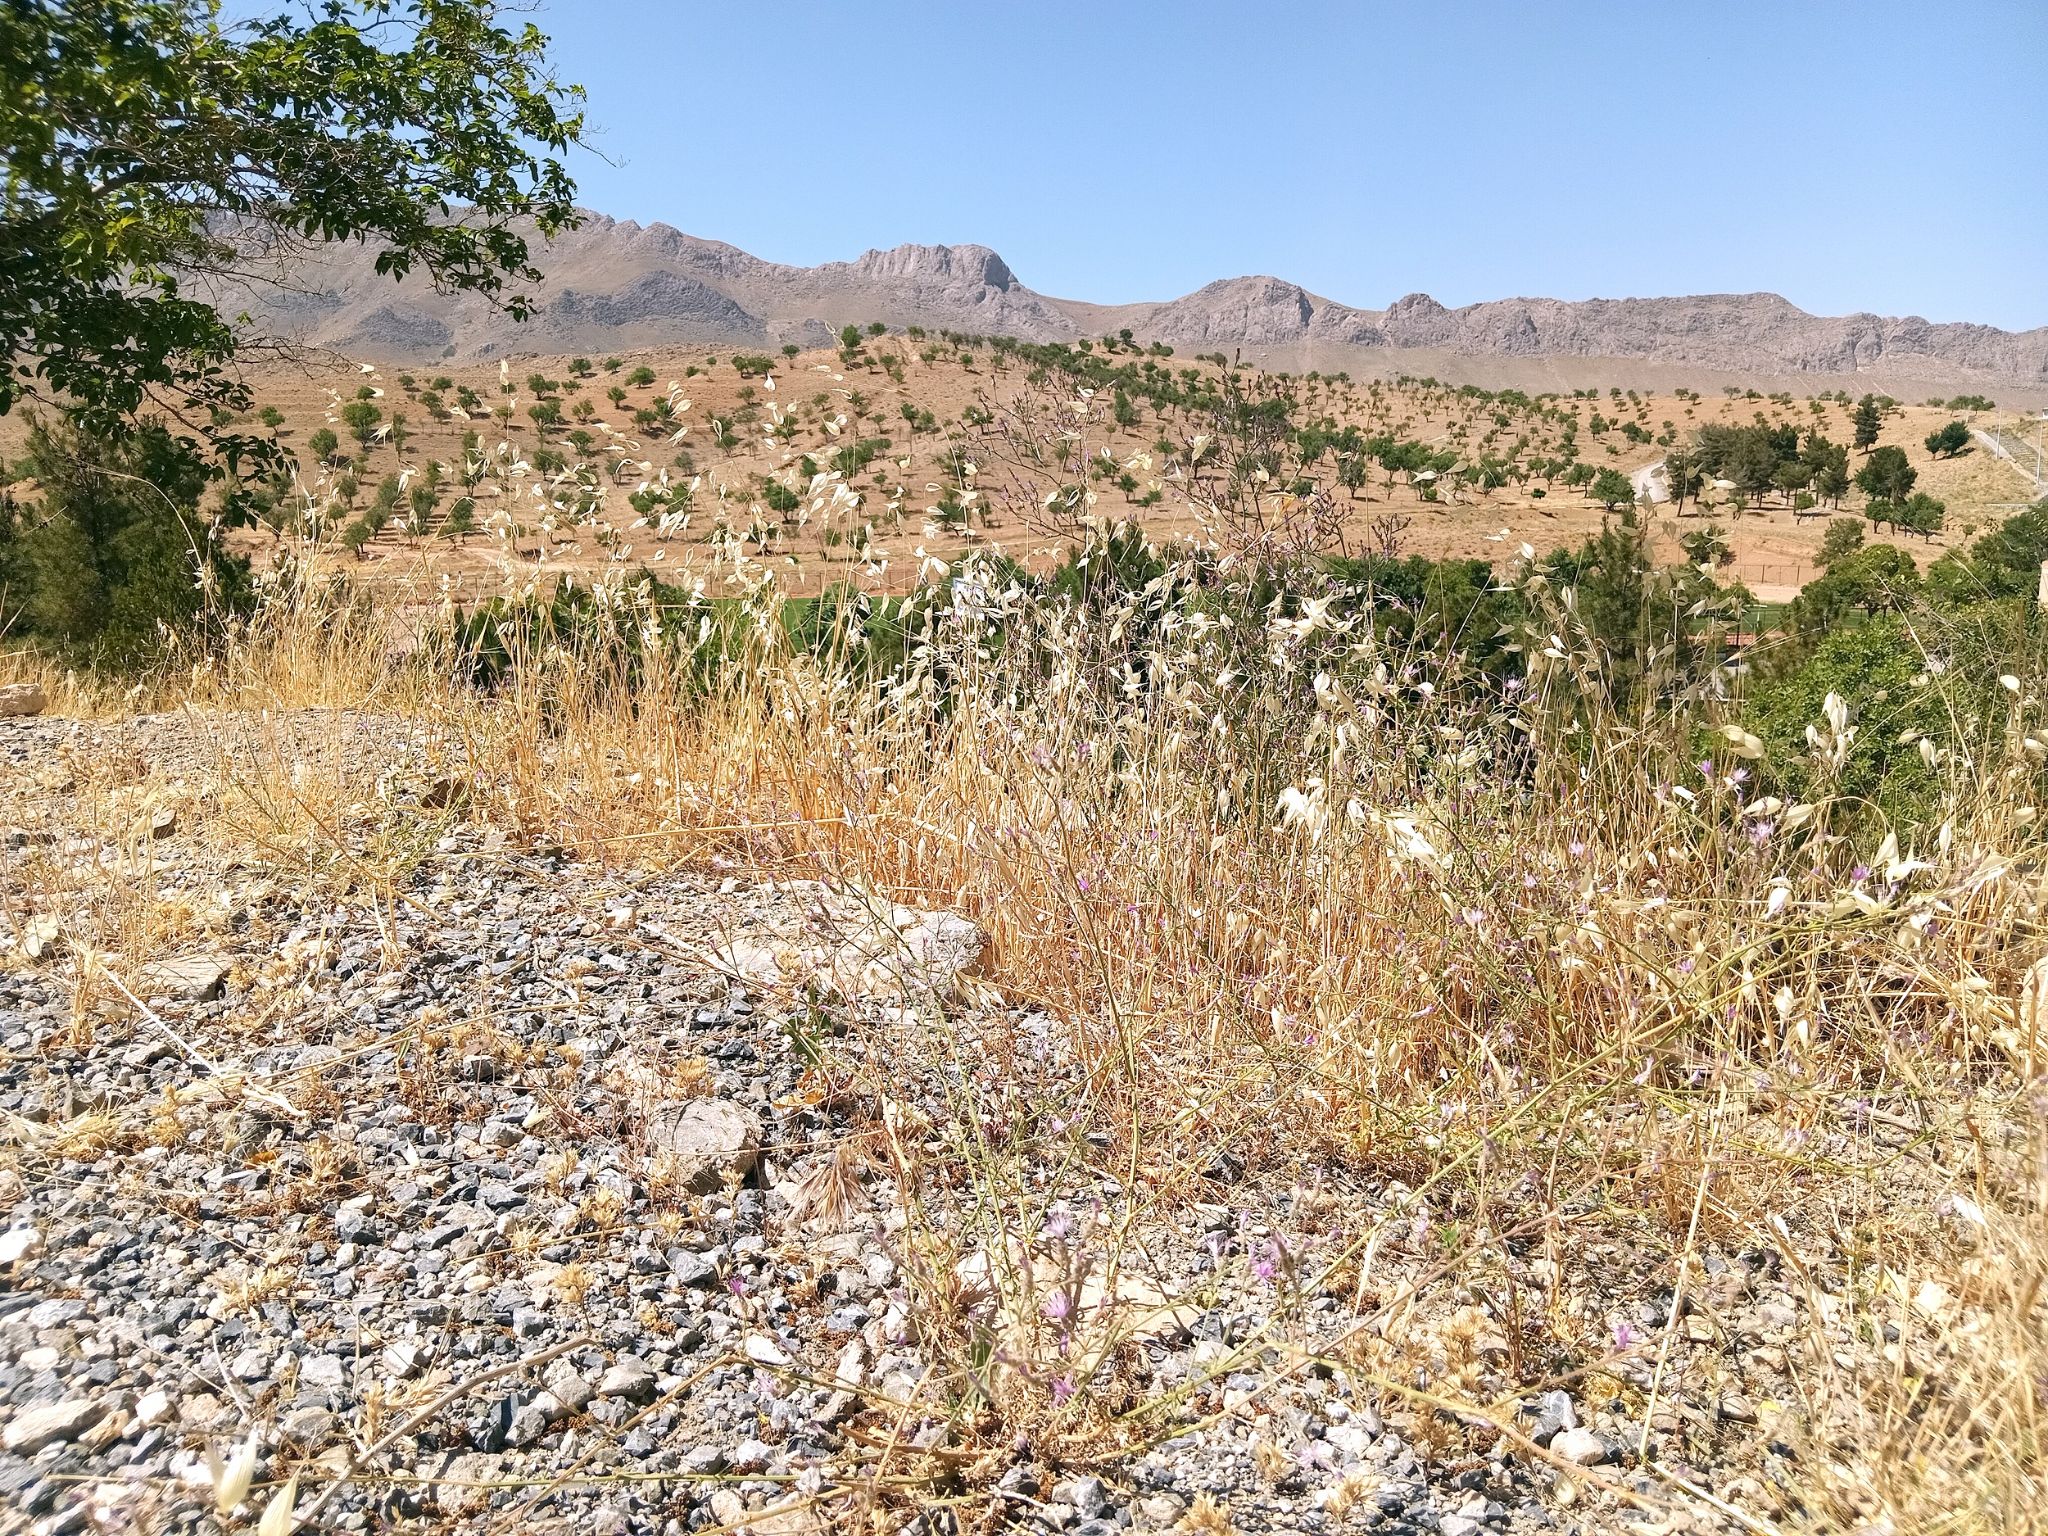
614	285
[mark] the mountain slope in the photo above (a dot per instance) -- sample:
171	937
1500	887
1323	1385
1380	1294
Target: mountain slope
615	285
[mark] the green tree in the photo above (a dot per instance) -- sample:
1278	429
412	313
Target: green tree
1876	578
362	418
1684	477
1829	463
2004	563
1886	475
1949	441
324	443
1873	667
1866	421
118	555
147	140
1920	513
1707	546
1612	489
1844	537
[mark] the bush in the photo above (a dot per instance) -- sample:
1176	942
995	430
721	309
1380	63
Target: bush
2003	563
1949	441
115	564
1929	675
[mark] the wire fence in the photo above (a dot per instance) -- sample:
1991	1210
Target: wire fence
1771	573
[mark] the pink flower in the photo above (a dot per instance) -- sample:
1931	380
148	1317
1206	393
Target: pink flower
1269	1266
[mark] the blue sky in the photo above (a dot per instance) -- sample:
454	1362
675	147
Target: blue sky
1875	156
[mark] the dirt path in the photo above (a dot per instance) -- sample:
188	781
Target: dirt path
1649	486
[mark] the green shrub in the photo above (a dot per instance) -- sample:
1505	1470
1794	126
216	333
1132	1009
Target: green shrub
114	563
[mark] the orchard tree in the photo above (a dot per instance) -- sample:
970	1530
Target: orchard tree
362	418
1612	489
1866	420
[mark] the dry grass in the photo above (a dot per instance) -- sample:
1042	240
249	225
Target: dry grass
1516	962
1351	926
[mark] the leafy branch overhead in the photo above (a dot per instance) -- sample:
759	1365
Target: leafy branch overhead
148	146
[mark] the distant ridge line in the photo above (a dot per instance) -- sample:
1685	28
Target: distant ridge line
616	285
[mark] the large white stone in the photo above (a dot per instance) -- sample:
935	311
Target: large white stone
23	699
48	1423
707	1143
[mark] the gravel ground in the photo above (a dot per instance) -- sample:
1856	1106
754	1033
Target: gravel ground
515	1194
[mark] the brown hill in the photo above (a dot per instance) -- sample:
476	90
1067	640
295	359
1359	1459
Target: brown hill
614	284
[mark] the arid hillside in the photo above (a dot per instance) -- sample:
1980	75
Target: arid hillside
710	463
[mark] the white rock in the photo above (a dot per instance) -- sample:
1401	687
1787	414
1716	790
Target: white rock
629	1378
1581	1447
709	1142
18	1243
851	1370
763	1350
48	1423
194	978
23	699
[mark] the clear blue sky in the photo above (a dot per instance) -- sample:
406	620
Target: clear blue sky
1866	156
